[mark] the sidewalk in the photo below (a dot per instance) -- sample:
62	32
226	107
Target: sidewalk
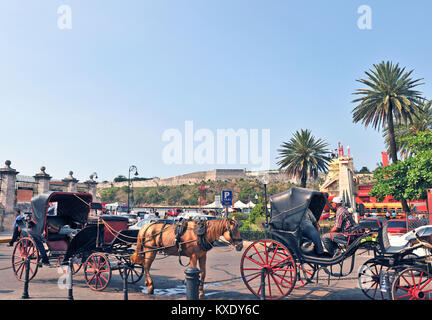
5	236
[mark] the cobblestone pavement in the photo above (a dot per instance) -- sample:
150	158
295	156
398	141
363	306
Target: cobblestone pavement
223	263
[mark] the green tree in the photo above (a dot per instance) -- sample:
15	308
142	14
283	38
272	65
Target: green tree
364	170
421	122
303	156
409	178
120	178
389	97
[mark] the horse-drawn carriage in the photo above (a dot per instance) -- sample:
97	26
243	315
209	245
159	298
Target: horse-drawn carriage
402	271
273	267
61	229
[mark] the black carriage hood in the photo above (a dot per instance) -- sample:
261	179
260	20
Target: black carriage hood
73	205
289	207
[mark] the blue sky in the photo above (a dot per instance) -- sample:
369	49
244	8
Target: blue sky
99	96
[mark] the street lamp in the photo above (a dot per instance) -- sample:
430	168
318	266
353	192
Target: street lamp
265	181
135	172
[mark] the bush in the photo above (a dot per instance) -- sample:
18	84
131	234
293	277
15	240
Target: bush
253	235
239	216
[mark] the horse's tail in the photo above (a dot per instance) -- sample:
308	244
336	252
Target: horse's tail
137	256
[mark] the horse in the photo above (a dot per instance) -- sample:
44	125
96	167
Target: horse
194	241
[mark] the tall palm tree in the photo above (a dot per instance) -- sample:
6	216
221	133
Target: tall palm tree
390	97
423	122
303	156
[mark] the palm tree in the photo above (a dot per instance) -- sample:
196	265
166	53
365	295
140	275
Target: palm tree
303	156
389	98
423	122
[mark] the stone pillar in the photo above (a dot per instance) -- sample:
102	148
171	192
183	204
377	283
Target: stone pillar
42	181
92	188
7	187
346	183
71	183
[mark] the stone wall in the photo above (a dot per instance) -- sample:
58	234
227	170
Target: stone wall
199	176
16	190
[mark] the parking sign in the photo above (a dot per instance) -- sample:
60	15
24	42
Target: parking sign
227	197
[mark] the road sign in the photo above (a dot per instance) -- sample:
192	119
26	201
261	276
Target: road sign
227	197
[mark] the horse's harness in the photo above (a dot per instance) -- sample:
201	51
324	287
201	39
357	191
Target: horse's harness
200	230
232	236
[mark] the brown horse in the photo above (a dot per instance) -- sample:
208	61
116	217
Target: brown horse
159	237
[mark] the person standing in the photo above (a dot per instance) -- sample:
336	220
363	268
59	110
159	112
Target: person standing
16	231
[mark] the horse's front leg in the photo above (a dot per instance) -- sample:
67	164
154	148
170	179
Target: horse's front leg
202	266
149	257
193	260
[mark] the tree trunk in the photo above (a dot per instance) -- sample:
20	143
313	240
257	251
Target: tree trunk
303	178
393	150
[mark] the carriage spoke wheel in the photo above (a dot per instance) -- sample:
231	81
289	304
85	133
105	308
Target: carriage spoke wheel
268	267
412	284
25	249
97	271
305	274
369	279
134	272
76	265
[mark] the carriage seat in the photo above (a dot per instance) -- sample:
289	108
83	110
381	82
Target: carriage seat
57	222
384	241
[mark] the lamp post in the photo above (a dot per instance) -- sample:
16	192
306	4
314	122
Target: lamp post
265	181
135	171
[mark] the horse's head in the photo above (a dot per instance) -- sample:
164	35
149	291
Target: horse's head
232	234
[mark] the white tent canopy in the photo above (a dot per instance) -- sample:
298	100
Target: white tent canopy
251	204
214	205
240	205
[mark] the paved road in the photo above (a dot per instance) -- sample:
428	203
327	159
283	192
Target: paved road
223	263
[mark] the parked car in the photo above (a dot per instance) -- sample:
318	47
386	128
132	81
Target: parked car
143	222
196	217
230	210
132	217
398	226
173	212
141	214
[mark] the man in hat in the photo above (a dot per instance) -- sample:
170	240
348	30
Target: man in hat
343	224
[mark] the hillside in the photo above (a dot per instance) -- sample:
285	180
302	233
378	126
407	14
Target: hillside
187	195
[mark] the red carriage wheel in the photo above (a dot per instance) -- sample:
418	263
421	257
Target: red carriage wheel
268	263
25	249
97	271
305	274
412	284
134	272
76	265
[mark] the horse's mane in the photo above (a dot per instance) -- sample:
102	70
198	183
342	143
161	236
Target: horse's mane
215	228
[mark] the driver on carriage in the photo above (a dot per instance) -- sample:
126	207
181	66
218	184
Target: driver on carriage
344	222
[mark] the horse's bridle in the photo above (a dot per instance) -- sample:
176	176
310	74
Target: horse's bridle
230	233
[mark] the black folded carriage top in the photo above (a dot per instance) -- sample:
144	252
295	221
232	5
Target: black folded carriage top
288	208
